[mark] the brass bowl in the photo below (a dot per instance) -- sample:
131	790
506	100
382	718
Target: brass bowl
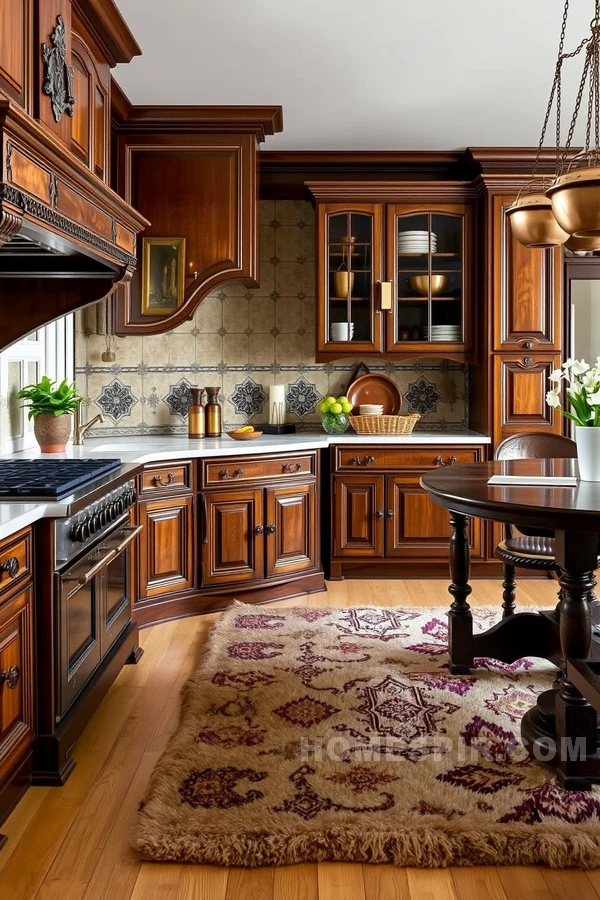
575	201
583	245
340	283
420	284
533	223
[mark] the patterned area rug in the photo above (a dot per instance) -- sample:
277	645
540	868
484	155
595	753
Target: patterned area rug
338	734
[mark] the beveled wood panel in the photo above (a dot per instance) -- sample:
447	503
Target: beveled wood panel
101	138
232	550
371	457
520	387
16	696
19	547
358	529
27	174
80	209
166	551
166	477
125	237
230	470
45	23
292	547
526	289
14	47
82	123
417	528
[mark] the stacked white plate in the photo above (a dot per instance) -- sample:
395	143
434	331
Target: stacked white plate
416	242
370	409
451	333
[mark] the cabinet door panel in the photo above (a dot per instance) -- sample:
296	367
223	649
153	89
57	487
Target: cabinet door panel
234	551
292	546
14	19
46	22
418	527
16	693
358	529
82	125
166	546
527	289
520	387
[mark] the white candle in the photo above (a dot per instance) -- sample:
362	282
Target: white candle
277	404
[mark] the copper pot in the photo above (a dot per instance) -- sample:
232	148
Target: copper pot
533	224
420	284
575	201
341	280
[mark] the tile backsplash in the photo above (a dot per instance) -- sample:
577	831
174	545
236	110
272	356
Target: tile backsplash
245	340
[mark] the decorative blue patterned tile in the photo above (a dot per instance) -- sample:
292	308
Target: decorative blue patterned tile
248	398
179	398
302	398
116	400
422	396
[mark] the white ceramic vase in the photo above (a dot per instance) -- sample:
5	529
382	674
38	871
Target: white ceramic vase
588	452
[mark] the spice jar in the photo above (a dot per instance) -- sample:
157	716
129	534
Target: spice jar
196	418
212	412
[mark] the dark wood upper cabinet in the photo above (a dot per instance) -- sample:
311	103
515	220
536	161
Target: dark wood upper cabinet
192	171
526	289
15	48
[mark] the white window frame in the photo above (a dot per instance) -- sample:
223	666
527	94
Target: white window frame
53	349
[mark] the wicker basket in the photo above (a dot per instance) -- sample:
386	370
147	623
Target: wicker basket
384	424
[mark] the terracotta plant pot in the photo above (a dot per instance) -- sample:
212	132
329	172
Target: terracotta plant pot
52	432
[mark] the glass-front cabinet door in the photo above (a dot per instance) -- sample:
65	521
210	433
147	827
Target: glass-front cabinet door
427	264
349	265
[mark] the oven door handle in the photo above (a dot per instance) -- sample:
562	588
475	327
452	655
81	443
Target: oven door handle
130	532
91	573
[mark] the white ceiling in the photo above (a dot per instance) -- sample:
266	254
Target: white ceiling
360	74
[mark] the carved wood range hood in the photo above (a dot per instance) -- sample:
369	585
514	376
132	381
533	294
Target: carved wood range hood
66	238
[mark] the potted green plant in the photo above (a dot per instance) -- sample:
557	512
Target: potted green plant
582	390
51	408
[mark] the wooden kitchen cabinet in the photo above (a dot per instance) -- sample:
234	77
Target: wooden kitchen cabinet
15	16
522	383
383	517
526	289
394	277
232	548
166	548
291	529
16	679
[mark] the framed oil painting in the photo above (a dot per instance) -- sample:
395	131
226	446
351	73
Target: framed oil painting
163	274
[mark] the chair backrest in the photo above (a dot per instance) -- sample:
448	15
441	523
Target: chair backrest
536	445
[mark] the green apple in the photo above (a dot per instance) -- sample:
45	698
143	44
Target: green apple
335	408
346	406
329	400
324	406
342	400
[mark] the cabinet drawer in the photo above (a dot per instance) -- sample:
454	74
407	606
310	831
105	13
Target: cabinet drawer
166	477
358	459
16	686
15	560
239	470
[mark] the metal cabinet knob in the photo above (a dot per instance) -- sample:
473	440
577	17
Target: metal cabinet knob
259	530
288	467
158	480
11	677
271	529
528	345
389	515
379	514
10	566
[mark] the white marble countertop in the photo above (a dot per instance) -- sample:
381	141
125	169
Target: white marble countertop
137	450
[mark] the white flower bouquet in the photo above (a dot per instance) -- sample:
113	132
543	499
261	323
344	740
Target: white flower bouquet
582	391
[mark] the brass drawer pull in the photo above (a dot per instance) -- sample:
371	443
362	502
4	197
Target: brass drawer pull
271	529
442	462
225	473
158	480
366	460
11	567
11	677
288	467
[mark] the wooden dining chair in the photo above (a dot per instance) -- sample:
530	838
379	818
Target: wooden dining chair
530	548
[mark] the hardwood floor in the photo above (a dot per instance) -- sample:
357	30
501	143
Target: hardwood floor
71	843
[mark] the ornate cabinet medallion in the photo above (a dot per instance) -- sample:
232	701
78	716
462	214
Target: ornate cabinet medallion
58	81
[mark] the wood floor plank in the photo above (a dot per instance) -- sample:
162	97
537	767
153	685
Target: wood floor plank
523	882
477	882
203	883
569	884
22	817
385	883
341	881
157	881
250	884
296	882
431	884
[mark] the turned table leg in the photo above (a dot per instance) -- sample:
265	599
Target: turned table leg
509	591
460	620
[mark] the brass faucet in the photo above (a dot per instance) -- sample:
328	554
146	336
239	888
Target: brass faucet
79	429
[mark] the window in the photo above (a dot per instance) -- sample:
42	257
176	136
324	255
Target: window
48	351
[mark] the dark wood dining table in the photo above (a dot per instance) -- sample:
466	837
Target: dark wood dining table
562	728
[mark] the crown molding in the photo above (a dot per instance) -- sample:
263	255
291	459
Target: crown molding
258	120
109	28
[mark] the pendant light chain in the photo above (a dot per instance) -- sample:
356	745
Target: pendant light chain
556	90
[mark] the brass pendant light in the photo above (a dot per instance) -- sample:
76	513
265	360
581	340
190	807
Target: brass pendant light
569	209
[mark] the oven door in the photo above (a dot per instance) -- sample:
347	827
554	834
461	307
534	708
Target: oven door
116	608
